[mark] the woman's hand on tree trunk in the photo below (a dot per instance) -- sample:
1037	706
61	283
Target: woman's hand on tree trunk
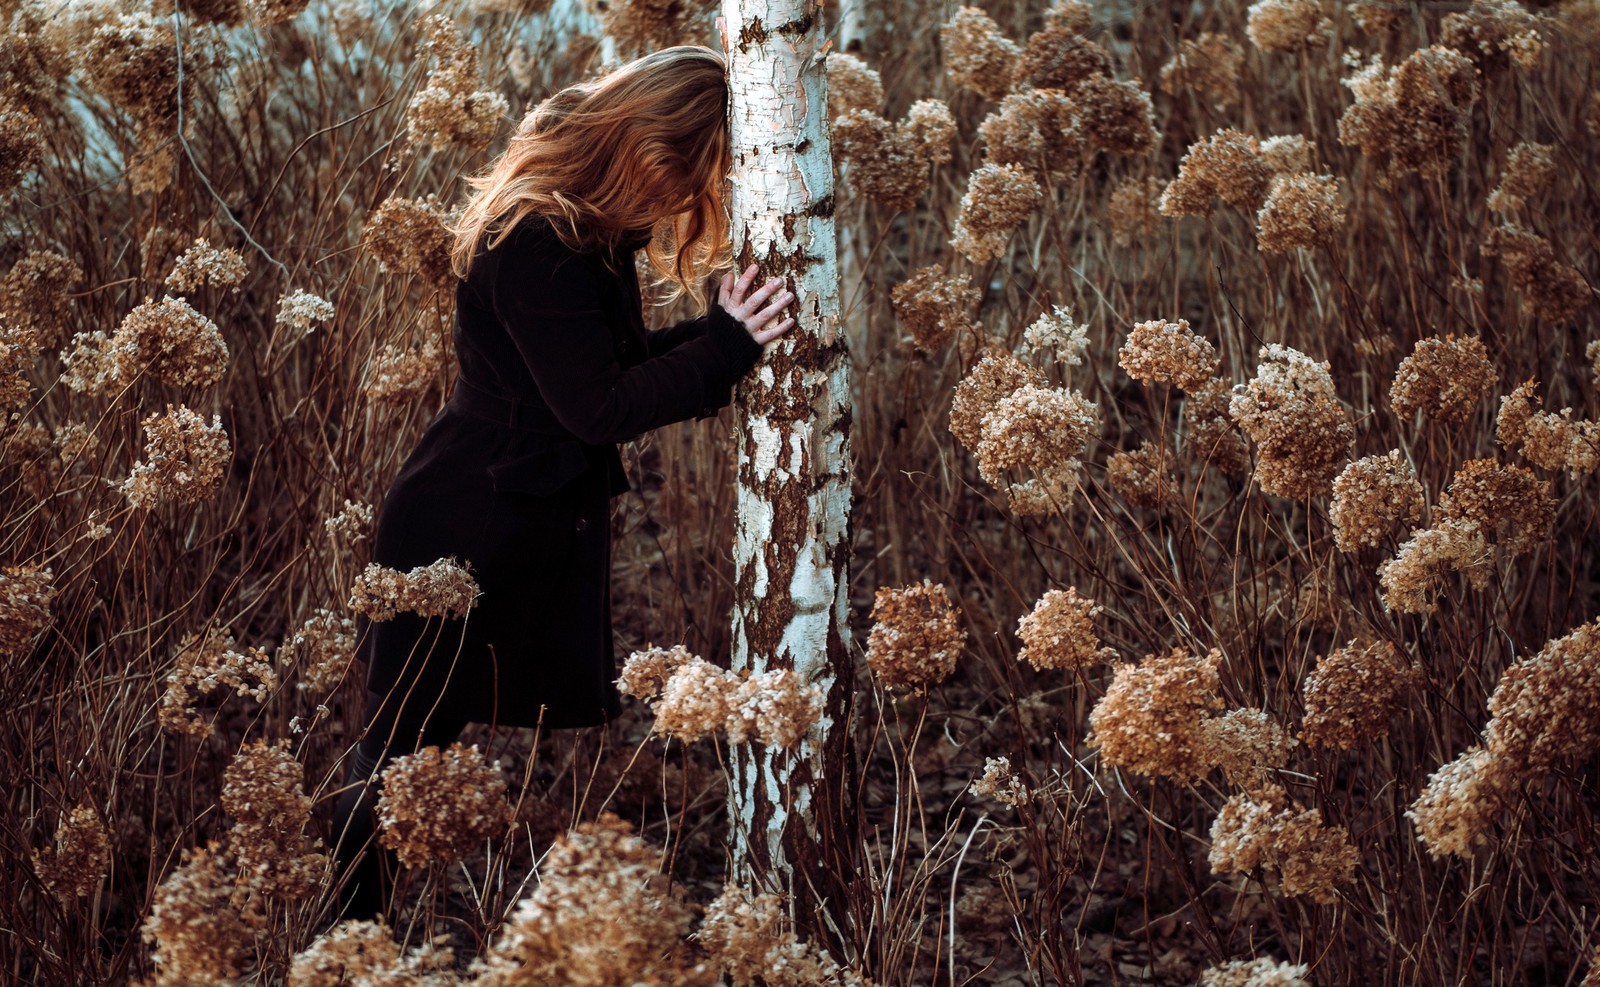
756	310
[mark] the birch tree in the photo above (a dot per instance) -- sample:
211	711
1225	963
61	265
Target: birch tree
788	808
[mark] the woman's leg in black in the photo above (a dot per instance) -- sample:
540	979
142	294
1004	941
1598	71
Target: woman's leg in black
394	727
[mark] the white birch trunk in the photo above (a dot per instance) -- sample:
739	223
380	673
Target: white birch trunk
792	538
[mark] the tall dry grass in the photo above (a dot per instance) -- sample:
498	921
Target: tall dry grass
1323	689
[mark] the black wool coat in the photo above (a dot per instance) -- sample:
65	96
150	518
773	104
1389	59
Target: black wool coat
515	474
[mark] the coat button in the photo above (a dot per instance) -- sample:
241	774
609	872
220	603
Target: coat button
582	524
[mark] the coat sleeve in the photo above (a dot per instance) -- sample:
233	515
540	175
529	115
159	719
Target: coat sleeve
548	298
659	341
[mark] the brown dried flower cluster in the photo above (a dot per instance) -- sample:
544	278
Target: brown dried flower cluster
1029	443
322	648
263	790
852	85
640	26
167	340
1302	210
440	805
1354	692
1162	352
1143	477
1370	497
1495	34
1552	441
888	162
184	459
1059	57
1265	829
1510	504
1412	117
1036	129
300	311
199	936
360	952
603	915
1248	745
934	306
449	110
916	636
931	124
1213	438
1057	336
1115	116
1550	288
1443	379
999	199
977	55
205	662
1151	719
1414	578
1530	168
351	523
202	264
33	302
409	236
78	860
1207	66
443	588
1227	166
21	145
1288	25
693	698
1000	783
25	595
399	375
1461	801
1301	430
747	936
1134	210
996	375
1287	154
1059	633
1263	972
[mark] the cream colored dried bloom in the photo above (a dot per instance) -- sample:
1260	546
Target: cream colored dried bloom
1530	168
977	55
646	672
852	85
999	198
78	859
1115	116
935	306
167	340
772	707
1516	410
1414	116
1444	379
1059	632
88	363
1412	581
33	296
1261	972
603	915
1546	709
440	805
1031	439
1212	436
1288	25
1370	497
1495	34
198	934
133	61
1227	166
1550	288
1162	352
1000	783
1056	334
694	701
1265	829
359	952
930	123
409	236
202	264
1287	154
184	459
1301	430
443	588
1354	692
916	636
1301	210
25	595
1561	442
400	374
1207	66
323	648
1134	210
1248	745
1151	718
995	376
351	523
1143	477
449	111
747	938
1508	503
206	662
298	311
1461	801
1036	129
263	790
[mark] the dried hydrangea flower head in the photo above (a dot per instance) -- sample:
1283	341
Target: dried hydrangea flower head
1207	66
1552	441
450	111
1264	829
1302	210
977	56
1288	25
79	857
1461	801
1262	972
1371	497
1059	633
199	936
440	805
1143	477
883	161
205	662
748	938
1412	117
1134	210
1287	154
693	699
1212	437
996	375
184	459
322	649
1510	504
25	595
1530	169
1029	446
1301	430
1058	336
934	306
1550	288
1000	783
1546	709
1059	57
1443	379
202	264
1115	116
409	236
1036	129
603	914
170	341
300	311
263	790
1495	34
1227	166
999	198
1162	352
21	145
1248	745
443	588
1354	692
646	672
1412	581
852	85
916	636
1150	718
33	294
361	952
398	375
931	124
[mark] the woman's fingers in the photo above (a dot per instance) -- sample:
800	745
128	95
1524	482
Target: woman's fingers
766	336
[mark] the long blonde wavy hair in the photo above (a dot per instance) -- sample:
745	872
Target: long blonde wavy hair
643	148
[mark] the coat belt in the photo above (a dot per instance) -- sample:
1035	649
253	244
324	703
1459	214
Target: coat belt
518	413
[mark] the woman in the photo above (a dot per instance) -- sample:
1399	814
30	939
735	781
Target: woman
514	476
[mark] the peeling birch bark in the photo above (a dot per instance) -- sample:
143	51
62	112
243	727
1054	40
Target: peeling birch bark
791	543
